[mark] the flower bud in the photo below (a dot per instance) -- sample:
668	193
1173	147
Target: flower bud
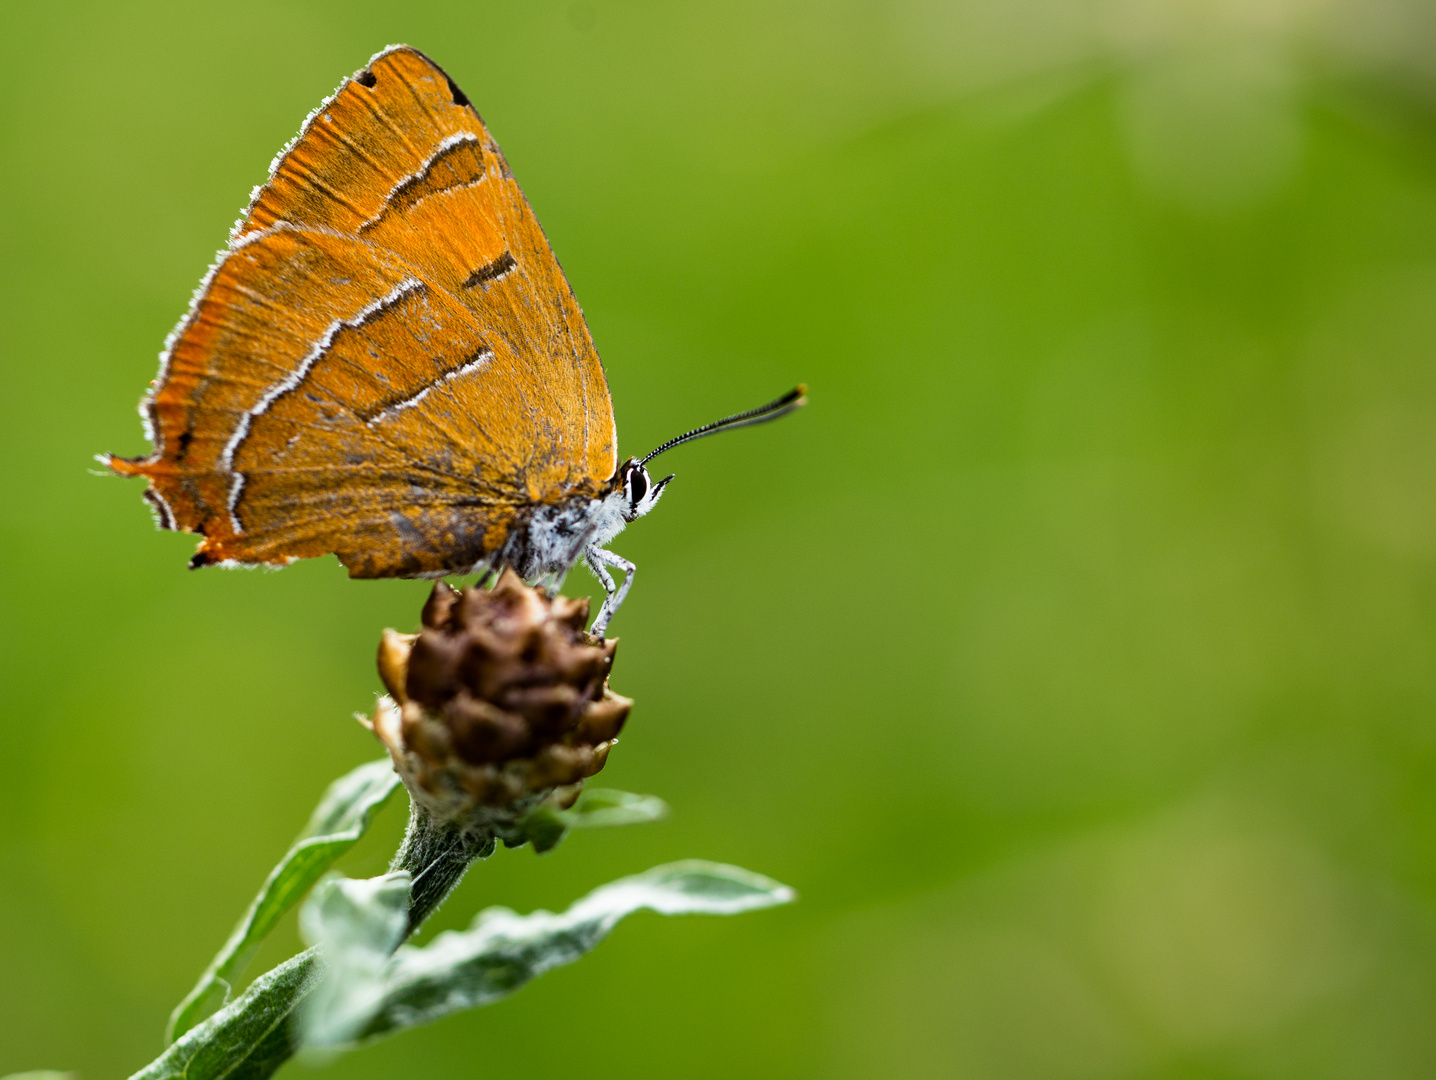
499	699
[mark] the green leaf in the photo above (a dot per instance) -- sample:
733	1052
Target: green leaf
249	1038
42	1074
340	819
546	825
360	923
378	994
602	807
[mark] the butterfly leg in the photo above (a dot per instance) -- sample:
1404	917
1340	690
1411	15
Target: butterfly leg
596	557
549	583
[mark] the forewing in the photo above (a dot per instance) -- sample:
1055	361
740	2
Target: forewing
400	158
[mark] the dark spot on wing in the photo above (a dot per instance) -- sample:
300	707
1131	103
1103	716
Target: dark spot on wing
492	272
460	98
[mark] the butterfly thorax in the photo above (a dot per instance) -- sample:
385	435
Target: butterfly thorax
556	536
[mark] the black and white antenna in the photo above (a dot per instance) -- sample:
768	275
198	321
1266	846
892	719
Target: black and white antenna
793	399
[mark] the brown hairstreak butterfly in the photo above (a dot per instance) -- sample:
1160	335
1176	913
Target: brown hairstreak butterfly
387	364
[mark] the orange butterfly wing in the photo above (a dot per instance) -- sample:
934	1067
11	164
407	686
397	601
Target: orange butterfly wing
387	363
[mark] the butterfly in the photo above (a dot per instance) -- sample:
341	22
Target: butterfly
387	364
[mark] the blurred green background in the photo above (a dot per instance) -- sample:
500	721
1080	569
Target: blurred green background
1073	654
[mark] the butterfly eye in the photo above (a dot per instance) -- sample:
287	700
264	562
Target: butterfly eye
637	486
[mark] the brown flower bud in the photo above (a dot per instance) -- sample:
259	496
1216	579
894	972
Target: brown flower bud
394	651
499	699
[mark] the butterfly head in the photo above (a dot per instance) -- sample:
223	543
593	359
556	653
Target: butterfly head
631	492
640	493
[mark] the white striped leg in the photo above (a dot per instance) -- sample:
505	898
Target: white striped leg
596	558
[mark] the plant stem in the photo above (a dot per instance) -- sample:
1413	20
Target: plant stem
436	855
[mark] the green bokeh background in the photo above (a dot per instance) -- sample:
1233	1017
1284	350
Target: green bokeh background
1073	654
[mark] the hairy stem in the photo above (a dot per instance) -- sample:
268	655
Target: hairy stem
436	855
